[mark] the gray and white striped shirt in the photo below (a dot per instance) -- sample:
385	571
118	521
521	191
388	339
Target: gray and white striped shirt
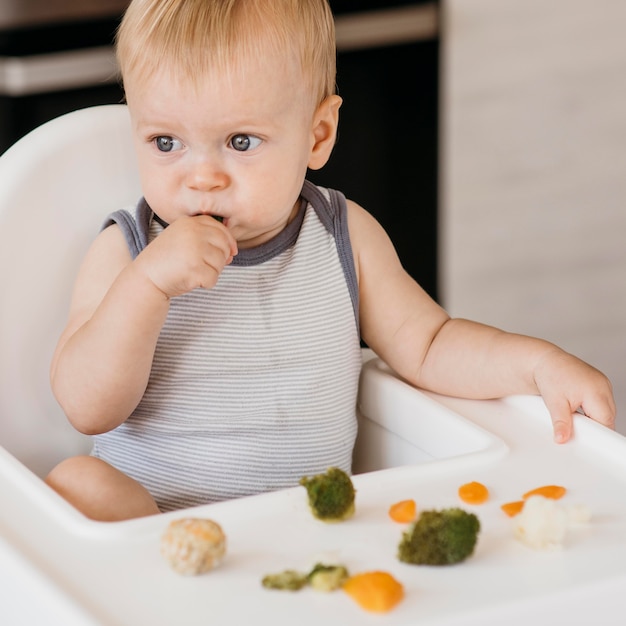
254	382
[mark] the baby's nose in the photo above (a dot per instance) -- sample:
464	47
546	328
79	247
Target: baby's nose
207	175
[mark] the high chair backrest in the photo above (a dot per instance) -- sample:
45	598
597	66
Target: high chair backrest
57	184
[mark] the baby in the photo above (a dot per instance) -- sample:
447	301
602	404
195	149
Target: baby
217	358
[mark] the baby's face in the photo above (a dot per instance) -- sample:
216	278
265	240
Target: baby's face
235	146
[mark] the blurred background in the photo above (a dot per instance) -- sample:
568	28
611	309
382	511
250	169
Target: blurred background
487	136
533	173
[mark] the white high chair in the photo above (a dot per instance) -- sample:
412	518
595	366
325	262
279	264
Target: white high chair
57	184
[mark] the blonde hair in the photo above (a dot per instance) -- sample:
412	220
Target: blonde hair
192	38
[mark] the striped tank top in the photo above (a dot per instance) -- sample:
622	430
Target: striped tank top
254	382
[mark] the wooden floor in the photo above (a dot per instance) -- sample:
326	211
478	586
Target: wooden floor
533	226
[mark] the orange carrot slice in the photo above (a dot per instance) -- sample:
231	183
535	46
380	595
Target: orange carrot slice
374	591
403	512
547	491
473	493
513	508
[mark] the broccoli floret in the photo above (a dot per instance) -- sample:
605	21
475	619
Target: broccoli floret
440	538
331	495
289	580
321	578
327	577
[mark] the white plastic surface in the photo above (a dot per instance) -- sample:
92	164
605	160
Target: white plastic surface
57	185
115	573
423	446
407	434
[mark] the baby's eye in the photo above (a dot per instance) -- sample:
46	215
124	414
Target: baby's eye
167	144
243	143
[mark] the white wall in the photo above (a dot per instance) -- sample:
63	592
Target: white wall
534	172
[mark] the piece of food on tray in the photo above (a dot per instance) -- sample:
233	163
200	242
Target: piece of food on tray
474	493
375	591
288	580
321	578
440	537
543	523
327	577
403	512
331	495
193	546
555	492
512	508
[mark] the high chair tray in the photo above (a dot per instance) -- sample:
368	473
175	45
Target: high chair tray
57	567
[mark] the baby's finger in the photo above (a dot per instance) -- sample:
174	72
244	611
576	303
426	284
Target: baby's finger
217	222
562	420
600	410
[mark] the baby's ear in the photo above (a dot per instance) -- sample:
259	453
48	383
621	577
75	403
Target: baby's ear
324	131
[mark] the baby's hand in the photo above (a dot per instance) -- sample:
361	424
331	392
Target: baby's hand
568	384
190	253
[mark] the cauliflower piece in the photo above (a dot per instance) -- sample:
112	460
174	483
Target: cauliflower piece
542	524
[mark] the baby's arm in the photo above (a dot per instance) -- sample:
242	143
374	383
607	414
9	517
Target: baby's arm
417	338
102	362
